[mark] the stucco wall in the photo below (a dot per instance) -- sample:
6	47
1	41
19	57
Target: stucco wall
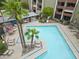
46	3
29	2
50	3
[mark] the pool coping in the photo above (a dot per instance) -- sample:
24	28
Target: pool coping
75	52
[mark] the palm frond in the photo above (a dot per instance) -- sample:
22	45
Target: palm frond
37	36
26	33
37	32
14	8
28	37
31	33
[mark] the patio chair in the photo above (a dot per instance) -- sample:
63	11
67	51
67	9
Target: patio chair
10	29
11	42
38	43
8	52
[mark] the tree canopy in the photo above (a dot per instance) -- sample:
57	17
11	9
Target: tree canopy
1	3
47	11
14	8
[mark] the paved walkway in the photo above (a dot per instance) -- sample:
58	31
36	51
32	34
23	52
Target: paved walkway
17	50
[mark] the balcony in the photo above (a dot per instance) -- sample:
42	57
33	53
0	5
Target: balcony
66	18
59	13
69	8
61	3
57	16
67	14
60	7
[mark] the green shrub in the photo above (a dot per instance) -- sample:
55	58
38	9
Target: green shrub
42	20
47	11
1	3
3	47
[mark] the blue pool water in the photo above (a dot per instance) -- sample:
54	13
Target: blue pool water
56	44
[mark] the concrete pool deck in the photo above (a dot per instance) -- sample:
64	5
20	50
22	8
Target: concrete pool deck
71	39
37	53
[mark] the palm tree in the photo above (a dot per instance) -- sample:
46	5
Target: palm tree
31	33
15	10
1	6
1	14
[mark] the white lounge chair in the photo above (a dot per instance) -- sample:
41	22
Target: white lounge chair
38	43
11	42
8	52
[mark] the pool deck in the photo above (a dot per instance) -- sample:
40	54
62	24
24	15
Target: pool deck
36	53
71	39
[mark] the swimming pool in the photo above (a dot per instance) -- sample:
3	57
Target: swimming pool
56	44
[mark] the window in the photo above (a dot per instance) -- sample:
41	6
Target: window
59	10
57	16
67	18
68	12
34	1
61	3
70	4
36	5
39	5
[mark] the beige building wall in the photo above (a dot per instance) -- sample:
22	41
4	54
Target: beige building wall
46	3
49	3
30	4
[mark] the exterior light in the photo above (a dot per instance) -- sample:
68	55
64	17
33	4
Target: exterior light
3	41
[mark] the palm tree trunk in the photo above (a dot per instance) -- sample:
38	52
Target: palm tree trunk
21	36
32	41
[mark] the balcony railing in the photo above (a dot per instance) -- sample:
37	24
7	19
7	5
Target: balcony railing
58	13
61	7
67	14
69	8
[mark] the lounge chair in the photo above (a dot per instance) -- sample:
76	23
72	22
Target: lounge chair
38	43
8	52
10	29
11	42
